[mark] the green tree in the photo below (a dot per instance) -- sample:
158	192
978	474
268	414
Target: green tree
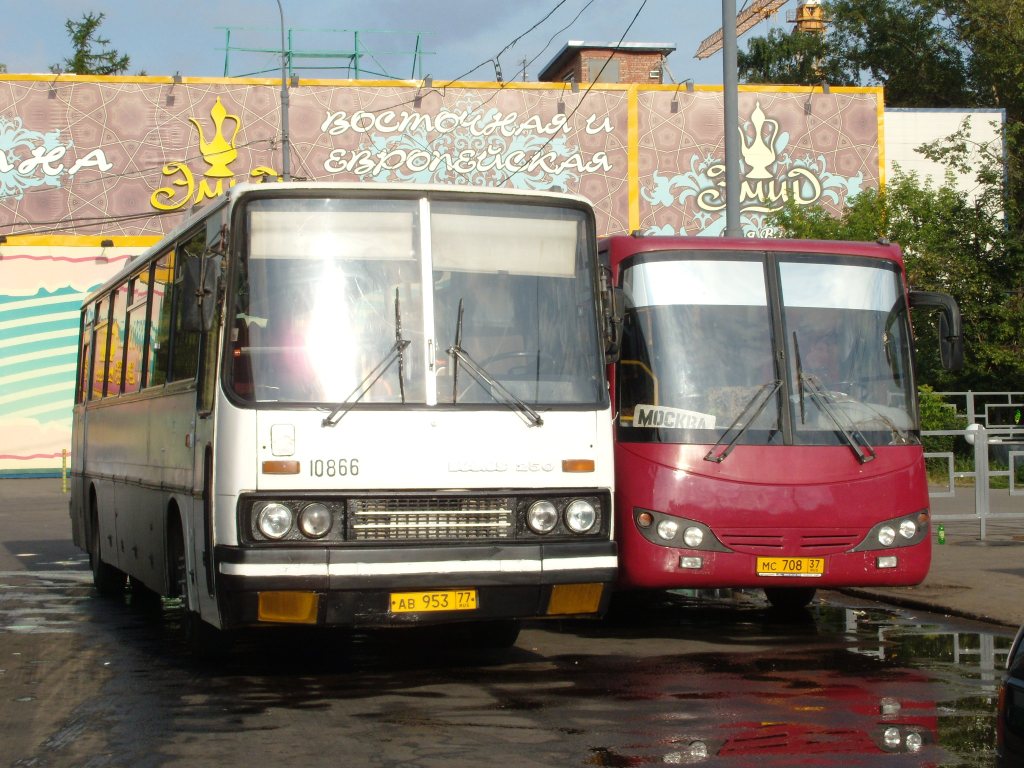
925	53
921	51
85	58
906	46
993	34
799	58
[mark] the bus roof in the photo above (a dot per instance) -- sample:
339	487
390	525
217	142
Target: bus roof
368	189
621	246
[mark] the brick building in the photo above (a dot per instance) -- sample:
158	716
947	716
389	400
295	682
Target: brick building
640	63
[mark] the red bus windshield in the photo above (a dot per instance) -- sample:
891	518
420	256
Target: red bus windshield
776	349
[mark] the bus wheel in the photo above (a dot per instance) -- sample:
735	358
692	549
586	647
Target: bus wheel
789	599
143	599
108	580
203	640
494	634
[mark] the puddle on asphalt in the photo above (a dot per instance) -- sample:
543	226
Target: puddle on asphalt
679	679
845	678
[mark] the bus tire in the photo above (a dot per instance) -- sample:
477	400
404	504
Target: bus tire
143	599
789	599
108	580
494	634
203	640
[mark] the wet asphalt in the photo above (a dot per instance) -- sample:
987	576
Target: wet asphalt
711	678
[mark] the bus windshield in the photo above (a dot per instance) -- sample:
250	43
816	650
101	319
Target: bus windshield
786	350
350	302
848	347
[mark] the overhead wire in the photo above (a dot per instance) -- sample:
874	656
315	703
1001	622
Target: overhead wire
583	96
144	172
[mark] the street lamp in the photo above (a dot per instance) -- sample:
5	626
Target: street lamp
285	146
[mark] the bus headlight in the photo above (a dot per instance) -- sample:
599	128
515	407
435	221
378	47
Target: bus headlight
914	742
315	521
274	520
668	529
903	531
693	536
580	516
542	516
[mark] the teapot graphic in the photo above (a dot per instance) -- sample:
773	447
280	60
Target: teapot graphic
218	152
760	152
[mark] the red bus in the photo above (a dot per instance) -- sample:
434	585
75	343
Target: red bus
767	426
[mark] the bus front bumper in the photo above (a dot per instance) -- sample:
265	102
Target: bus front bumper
365	587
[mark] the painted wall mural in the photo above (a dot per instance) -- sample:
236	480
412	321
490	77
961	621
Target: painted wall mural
86	160
41	290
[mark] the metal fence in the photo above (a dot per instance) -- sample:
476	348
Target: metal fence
995	433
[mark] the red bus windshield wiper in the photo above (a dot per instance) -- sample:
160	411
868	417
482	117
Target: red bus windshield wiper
742	424
827	404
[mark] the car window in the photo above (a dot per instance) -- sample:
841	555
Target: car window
1015	660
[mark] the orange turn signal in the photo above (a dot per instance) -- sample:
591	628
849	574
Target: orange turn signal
574	599
577	465
280	467
288	607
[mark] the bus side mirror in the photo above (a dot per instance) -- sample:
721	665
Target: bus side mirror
614	309
951	345
199	285
951	337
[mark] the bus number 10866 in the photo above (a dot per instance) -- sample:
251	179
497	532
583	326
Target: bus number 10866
334	467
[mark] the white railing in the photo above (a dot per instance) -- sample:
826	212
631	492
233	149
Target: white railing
995	428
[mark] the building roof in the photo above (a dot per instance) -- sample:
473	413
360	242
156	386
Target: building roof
573	47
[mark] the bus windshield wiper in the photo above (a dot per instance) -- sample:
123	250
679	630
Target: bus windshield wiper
397	352
493	387
799	379
827	404
900	435
400	341
741	424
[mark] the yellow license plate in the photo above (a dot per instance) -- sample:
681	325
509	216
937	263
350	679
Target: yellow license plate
810	567
438	600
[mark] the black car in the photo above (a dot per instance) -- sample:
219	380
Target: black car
1010	723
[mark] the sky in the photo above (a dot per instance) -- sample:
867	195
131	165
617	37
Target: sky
190	37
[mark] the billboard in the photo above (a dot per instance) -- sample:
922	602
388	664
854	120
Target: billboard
94	169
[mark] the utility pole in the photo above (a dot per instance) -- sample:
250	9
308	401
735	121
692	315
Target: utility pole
730	97
286	160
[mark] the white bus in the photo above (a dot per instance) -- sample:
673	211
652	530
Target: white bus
353	406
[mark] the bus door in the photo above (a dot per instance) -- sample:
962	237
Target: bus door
201	268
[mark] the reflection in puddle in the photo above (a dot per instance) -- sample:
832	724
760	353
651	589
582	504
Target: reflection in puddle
846	678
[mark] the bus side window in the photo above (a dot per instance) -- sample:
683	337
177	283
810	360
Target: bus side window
115	357
100	349
185	344
135	331
243	339
159	340
638	384
85	353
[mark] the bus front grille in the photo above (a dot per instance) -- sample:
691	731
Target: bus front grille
431	519
791	541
